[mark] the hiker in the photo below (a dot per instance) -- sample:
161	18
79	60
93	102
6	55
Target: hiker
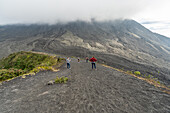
87	59
93	60
68	62
78	59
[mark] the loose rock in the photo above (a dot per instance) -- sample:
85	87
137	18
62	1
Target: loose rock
50	82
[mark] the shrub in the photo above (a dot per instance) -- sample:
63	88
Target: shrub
158	82
20	63
59	59
26	61
130	72
40	68
149	76
61	79
158	72
122	69
137	73
10	73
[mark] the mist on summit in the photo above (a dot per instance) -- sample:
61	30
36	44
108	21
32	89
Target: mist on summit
53	11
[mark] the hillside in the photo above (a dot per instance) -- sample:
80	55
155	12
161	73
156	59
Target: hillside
87	91
124	44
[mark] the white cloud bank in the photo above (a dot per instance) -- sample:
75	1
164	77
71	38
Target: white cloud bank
161	27
52	11
156	17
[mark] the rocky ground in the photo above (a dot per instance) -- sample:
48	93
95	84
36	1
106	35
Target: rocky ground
88	91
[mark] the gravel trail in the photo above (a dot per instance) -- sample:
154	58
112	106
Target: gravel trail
88	91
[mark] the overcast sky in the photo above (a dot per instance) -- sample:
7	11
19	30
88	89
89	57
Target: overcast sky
153	14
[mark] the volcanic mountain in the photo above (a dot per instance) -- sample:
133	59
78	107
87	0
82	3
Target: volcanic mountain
124	44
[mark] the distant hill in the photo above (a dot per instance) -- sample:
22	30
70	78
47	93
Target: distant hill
122	43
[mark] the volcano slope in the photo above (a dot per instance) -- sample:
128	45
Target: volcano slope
88	91
124	44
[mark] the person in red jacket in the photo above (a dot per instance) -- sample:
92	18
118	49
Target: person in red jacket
93	60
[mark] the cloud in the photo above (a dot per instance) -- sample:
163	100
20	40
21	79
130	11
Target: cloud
150	22
161	27
52	11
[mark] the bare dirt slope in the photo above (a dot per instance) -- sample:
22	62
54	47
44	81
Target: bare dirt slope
88	91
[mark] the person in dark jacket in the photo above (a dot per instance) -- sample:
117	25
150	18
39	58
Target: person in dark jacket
93	60
87	59
68	62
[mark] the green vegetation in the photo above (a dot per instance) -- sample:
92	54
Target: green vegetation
61	79
10	73
145	76
158	82
137	73
20	63
130	72
149	76
158	72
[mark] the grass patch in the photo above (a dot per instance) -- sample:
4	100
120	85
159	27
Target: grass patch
130	72
137	73
21	63
61	80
